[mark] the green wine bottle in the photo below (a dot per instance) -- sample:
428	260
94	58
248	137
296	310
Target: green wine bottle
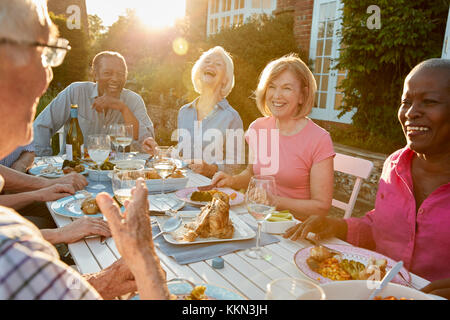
74	138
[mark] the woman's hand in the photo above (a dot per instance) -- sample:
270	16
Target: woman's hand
323	227
77	230
222	180
149	146
439	288
203	168
53	193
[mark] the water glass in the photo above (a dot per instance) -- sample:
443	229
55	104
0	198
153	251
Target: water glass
294	289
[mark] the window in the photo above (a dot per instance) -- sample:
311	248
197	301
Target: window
212	6
228	7
227	22
235	20
242	4
241	19
267	4
236	4
256	4
211	26
217	6
222	23
224	5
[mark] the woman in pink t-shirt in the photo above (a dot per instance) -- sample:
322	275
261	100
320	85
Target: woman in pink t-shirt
286	144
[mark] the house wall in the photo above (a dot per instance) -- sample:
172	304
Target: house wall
302	10
197	13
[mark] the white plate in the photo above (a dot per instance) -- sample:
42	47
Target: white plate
241	230
71	207
170	185
57	174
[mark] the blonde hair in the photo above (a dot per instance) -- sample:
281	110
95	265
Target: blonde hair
276	67
229	70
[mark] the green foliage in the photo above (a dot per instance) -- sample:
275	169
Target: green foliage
76	63
378	60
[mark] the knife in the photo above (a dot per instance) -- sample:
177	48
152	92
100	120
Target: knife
387	278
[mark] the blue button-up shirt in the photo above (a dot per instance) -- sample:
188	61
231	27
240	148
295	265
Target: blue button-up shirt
211	139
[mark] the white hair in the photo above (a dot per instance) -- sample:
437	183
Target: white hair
24	20
229	70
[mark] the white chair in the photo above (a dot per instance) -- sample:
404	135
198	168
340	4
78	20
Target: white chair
361	169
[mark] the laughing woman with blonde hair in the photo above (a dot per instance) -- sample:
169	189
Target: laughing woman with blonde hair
300	152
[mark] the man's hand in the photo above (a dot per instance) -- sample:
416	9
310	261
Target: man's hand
114	281
439	288
149	146
77	230
104	103
203	168
131	231
76	180
54	192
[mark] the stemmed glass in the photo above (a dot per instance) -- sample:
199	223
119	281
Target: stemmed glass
121	135
164	164
123	181
260	201
99	147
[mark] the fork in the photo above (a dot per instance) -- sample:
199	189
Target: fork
316	243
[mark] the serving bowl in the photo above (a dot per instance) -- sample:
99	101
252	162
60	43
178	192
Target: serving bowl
361	290
277	227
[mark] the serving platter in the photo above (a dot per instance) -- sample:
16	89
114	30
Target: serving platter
241	230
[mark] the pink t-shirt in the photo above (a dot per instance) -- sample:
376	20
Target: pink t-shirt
288	158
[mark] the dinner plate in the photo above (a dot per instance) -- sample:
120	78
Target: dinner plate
350	253
71	207
37	171
214	292
185	195
241	230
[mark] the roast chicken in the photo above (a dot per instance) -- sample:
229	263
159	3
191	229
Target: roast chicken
213	220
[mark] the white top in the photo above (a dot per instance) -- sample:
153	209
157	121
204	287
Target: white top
57	114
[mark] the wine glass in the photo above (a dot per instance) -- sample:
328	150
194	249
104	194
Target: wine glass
164	164
99	147
123	181
294	289
121	135
260	200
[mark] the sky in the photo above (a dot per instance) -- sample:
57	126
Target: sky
155	13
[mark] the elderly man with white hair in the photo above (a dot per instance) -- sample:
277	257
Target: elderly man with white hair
29	265
210	130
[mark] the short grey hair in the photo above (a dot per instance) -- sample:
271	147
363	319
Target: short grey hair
25	20
106	54
229	70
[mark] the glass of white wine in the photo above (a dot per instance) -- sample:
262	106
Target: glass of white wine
99	147
121	135
123	181
260	201
164	164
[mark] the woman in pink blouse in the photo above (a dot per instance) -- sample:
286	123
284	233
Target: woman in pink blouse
411	219
286	144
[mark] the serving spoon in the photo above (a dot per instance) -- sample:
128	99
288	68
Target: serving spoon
387	278
170	225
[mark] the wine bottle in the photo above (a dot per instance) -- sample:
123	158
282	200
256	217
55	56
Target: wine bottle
74	138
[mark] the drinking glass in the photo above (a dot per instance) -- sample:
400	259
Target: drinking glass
164	164
260	201
99	147
294	289
121	136
123	181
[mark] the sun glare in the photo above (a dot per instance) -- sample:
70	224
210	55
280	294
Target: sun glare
153	13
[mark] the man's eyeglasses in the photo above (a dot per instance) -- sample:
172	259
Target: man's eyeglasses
53	54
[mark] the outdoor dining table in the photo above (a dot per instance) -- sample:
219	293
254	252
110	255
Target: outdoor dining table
241	274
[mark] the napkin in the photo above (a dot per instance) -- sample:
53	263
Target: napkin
184	254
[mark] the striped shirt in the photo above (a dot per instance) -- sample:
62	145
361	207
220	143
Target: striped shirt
9	160
30	268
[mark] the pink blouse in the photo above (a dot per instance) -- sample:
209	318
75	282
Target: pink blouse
288	158
422	240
